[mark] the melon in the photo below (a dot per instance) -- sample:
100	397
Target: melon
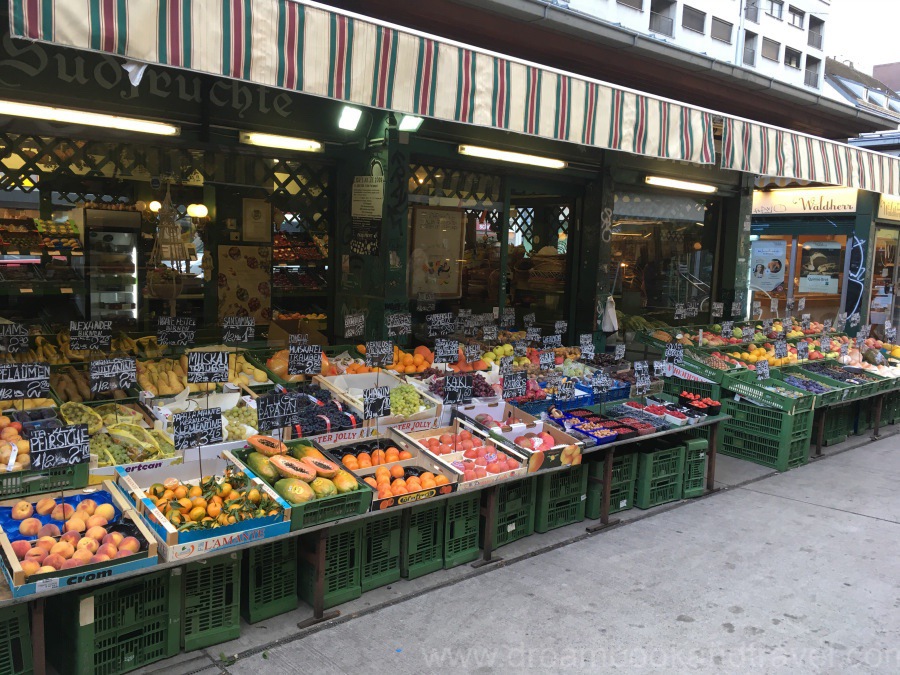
322	467
294	491
288	467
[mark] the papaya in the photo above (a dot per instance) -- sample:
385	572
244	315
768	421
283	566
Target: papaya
345	482
323	488
288	467
302	450
267	445
262	467
322	467
294	491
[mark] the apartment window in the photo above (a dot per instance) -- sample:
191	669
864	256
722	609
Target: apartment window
634	4
721	30
693	19
751	11
797	17
771	50
774	8
816	26
791	58
811	76
749	48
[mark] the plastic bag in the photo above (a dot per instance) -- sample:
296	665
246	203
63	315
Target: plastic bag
609	323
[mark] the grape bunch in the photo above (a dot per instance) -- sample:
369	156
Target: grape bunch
237	431
108	452
405	400
242	415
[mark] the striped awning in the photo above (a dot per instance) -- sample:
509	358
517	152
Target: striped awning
306	47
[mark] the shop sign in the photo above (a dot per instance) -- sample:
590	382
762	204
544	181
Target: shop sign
889	208
110	374
804	201
207	367
197	427
24	380
64	446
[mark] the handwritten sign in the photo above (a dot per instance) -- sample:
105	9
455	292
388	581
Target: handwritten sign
692	309
845	348
24	380
718	310
90	335
354	325
441	324
533	335
803	351
520	348
547	360
679	310
586	342
379	353
425	302
304	359
197	427
277	409
506	365
14	338
773	306
552	341
566	390
801	304
825	344
110	374
508	319
446	351
620	352
727	329
529	320
399	324
737	309
238	329
601	382
376	402
560	327
780	348
804	321
176	331
64	446
458	389
473	352
674	353
514	384
207	367
762	370
489	333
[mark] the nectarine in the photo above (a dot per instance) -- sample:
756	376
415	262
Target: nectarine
20	548
87	544
55	561
62	512
96	533
22	510
37	554
89	506
75	523
96	521
130	544
45	506
46	543
114	538
63	548
71	537
29	527
49	530
105	511
30	567
83	555
108	550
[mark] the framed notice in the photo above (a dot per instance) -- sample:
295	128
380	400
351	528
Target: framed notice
436	262
257	221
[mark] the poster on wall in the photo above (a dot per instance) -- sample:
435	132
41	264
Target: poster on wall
367	203
436	261
820	267
257	220
768	262
243	282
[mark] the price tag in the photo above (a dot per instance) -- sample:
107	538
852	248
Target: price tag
865	330
458	389
762	370
63	446
853	320
547	360
197	427
533	335
825	344
529	320
675	353
801	304
692	309
844	349
803	351
472	352
110	374
887	324
14	338
376	402
520	348
489	333
379	353
425	302
787	325
804	321
601	382
737	309
304	359
560	327
238	329
789	305
24	380
354	325
767	326
90	335
470	327
620	352
890	334
826	326
879	359
399	324
747	333
506	365
207	367
176	331
552	341
565	391
781	349
446	351
860	342
727	329
441	324
587	352
508	319
718	310
659	368
277	409
642	383
514	384
773	306
679	310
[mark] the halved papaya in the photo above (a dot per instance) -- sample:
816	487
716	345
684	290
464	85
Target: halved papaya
322	467
267	445
289	467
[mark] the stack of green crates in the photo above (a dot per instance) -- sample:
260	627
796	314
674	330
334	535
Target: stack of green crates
660	475
765	435
422	541
343	553
560	498
621	494
694	477
211	594
840	421
675	385
380	563
269	578
462	532
15	641
515	511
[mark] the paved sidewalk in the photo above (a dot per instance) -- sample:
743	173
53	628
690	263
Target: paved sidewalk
797	572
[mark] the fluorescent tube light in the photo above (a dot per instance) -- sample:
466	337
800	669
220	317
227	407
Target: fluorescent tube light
506	156
410	123
64	115
280	142
349	118
674	184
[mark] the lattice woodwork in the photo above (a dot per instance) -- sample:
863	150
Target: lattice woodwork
472	190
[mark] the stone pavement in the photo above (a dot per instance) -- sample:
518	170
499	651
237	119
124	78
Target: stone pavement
796	572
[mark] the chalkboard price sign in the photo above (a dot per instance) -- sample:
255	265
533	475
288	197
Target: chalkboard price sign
277	409
238	329
514	384
679	311
552	341
376	402
24	380
473	353
533	335
379	353
718	310
565	391
399	324
207	367
547	360
601	382
13	338
762	370
354	325
560	327
489	333
90	335
110	374
804	321
64	446
508	320
506	364
825	344
446	351
520	348
529	320
675	353
780	348
425	302
803	351
801	304
620	352
692	309
304	359
441	324
197	427
176	331
458	389
727	329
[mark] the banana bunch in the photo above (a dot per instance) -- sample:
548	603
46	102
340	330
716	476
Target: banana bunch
22	357
48	352
147	347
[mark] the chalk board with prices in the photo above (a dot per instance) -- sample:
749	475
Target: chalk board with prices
473	352
825	344
547	360
506	365
354	325
90	335
767	325
586	342
469	326
440	324
176	331
803	351
197	427
804	321
718	310
601	382
277	409
560	327
692	309
762	370
24	380
529	320
65	446
13	338
376	402
489	333
533	335
425	302
675	353
304	359
379	353
399	324
110	374
515	384
446	351
780	348
552	341
207	367
238	329
565	390
679	311
801	304
620	352
458	389
727	329
747	333
520	348
508	319
737	309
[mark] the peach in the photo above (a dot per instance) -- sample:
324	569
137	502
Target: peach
45	506
72	562
46	569
96	521
130	544
96	533
89	506
71	536
22	510
99	558
105	511
62	512
49	530
30	567
87	544
74	523
63	548
108	550
114	538
55	561
46	543
21	548
29	527
124	553
37	554
83	555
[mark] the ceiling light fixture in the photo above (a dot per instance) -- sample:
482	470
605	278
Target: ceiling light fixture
155	206
66	116
410	123
197	210
515	157
349	118
280	142
674	184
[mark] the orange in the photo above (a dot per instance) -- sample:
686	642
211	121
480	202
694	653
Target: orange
214	509
378	457
398	481
426	475
441	479
422	368
364	457
350	462
370	481
428	484
382	472
384	494
199	502
197	514
180	492
391	456
397	471
184	505
405	454
365	464
407	359
418	359
195	491
398	490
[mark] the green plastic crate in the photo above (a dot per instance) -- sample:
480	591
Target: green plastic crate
840	421
745	383
26	483
778	426
675	385
661	462
117	627
515	512
343	553
422	542
624	468
694	476
212	601
461	529
841	392
269	580
657	491
621	498
560	498
15	641
781	456
380	563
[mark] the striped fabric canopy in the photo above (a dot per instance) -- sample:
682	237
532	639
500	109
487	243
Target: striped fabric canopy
305	47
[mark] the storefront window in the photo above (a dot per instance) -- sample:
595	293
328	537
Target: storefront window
883	304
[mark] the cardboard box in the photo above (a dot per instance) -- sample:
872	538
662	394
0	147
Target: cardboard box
19	586
281	329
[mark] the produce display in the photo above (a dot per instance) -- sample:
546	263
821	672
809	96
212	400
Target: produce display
240	422
406	400
168	377
73	385
806	384
480	386
11	439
